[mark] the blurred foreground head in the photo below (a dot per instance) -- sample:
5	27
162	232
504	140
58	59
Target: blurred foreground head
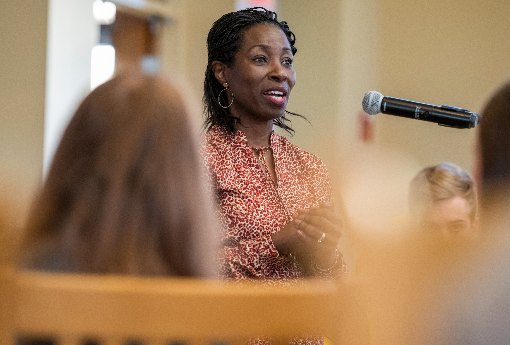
125	192
443	201
494	143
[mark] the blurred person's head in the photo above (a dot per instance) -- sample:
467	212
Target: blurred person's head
125	192
443	201
494	142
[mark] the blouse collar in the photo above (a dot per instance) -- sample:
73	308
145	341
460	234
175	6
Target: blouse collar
240	136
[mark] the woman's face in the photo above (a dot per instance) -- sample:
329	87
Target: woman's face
262	74
449	218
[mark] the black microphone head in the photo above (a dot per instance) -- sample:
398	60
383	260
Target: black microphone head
372	102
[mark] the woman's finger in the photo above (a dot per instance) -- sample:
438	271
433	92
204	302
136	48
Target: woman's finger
326	213
317	235
323	224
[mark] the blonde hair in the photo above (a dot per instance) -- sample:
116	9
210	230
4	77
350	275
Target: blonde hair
442	182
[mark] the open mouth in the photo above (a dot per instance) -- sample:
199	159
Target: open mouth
277	97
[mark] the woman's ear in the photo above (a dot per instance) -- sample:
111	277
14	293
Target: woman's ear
219	69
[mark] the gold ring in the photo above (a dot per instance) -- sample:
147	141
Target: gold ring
322	237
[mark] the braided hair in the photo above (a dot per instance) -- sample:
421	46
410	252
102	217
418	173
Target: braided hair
223	43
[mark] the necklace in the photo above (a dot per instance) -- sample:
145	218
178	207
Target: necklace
259	153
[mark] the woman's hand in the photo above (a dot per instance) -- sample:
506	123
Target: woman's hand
321	226
316	231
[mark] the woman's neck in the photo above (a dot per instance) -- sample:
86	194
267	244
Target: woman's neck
258	134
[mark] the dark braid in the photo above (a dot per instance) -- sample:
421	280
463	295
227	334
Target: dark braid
223	42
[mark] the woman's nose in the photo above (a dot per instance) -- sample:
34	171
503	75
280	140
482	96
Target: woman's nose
278	73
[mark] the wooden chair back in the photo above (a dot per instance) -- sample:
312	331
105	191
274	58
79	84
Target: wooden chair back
91	309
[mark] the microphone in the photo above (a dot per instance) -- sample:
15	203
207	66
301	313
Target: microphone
445	115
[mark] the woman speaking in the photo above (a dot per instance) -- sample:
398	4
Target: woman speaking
274	198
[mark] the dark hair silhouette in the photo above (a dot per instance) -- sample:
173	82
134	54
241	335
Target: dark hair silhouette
494	141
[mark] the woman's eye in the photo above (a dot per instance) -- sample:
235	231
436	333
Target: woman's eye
287	62
260	59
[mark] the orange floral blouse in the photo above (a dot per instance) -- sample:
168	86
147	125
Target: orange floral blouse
252	206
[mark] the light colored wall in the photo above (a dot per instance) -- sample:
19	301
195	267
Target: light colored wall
199	17
22	75
45	66
187	35
436	52
441	52
72	33
317	64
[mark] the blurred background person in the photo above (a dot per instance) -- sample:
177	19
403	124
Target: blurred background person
443	201
125	192
275	198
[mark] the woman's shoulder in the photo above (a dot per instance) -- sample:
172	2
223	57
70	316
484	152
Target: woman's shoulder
213	134
212	140
219	145
217	136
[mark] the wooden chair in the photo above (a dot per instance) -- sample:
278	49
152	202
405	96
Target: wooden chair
75	308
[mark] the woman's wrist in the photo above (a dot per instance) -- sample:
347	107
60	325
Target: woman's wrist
326	263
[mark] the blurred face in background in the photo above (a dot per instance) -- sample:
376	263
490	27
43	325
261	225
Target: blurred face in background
449	218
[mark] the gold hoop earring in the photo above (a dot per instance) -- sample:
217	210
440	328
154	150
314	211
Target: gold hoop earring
225	85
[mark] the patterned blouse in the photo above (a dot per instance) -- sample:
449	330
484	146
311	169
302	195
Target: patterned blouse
252	206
